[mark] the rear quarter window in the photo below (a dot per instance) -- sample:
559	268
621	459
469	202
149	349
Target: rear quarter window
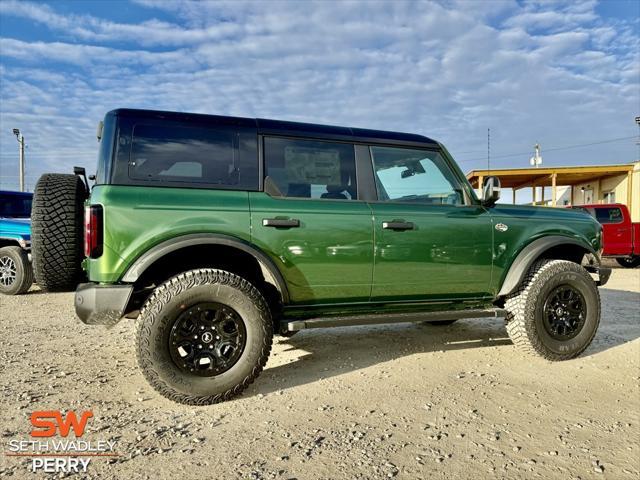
175	154
183	154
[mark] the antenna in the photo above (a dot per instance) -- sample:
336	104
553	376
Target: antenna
536	160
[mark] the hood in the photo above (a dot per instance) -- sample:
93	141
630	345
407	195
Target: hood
533	222
533	212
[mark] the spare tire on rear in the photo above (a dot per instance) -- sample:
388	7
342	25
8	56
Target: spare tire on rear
57	220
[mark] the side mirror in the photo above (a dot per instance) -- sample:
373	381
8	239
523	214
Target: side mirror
490	191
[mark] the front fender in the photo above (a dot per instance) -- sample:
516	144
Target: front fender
533	251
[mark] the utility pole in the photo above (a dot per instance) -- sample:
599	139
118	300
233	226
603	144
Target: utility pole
20	138
488	149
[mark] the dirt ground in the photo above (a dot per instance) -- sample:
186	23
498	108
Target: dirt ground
403	401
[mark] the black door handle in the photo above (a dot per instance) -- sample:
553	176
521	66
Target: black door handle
281	222
398	225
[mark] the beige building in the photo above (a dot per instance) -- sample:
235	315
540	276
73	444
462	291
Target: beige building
588	184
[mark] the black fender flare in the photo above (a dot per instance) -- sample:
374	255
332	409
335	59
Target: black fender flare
530	253
269	269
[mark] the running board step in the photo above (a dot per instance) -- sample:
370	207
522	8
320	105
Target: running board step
382	318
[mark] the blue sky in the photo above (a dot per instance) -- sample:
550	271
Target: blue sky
561	73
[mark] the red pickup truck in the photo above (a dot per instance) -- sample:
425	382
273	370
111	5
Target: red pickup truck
621	235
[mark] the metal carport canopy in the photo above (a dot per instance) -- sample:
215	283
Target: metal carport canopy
543	177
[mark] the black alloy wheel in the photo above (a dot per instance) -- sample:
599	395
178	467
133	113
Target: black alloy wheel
207	339
565	311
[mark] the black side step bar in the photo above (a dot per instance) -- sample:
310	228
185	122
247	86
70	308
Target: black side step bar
382	318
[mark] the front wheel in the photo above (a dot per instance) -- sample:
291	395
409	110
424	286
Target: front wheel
16	274
203	336
555	312
629	262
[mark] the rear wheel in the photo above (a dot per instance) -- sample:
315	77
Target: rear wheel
57	236
555	312
203	336
16	275
629	262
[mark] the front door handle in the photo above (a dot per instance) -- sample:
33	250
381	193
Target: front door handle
398	225
281	222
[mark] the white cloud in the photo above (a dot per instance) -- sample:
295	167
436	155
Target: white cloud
553	73
87	27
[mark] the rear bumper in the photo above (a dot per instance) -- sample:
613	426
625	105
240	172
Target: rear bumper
101	304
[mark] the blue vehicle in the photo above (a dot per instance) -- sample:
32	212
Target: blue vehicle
16	274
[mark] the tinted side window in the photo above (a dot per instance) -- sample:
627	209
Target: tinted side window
15	205
311	169
193	155
590	211
103	173
420	176
608	215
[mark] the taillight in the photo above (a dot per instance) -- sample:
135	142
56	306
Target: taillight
93	231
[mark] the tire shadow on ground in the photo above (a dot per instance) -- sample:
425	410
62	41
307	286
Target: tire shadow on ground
619	322
324	353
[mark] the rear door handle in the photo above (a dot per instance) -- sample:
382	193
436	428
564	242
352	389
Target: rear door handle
398	225
281	222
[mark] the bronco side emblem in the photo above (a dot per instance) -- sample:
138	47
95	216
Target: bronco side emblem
501	227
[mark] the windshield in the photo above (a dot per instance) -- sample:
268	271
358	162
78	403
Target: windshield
15	204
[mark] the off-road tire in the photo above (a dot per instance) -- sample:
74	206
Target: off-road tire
57	221
157	318
23	271
443	323
629	262
525	310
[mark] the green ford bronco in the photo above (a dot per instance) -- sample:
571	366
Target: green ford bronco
217	232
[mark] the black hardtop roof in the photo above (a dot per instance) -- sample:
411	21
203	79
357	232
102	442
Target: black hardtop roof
281	127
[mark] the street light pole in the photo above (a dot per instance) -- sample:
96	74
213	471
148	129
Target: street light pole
20	138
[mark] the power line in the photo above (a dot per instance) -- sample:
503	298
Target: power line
552	149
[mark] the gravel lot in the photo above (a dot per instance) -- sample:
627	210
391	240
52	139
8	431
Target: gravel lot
401	401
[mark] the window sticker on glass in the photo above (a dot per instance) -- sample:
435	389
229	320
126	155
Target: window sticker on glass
308	165
311	169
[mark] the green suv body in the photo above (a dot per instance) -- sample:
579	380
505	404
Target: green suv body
217	232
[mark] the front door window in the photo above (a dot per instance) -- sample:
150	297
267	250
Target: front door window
415	176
